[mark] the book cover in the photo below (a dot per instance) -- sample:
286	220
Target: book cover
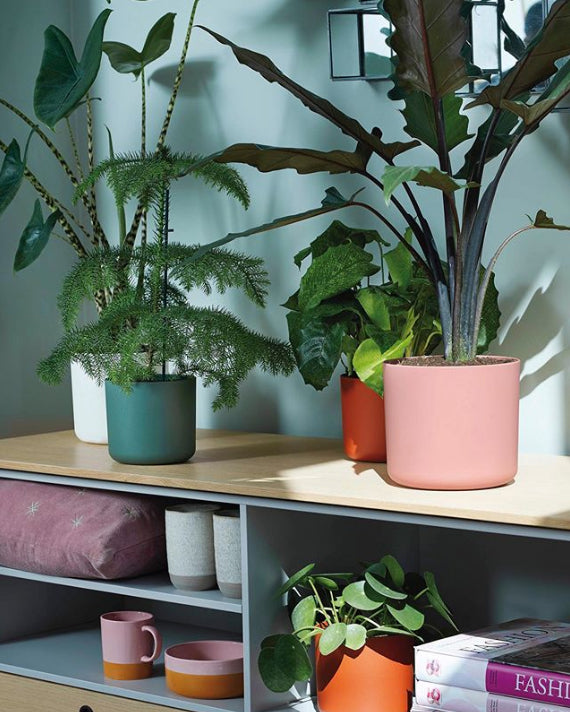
445	698
503	660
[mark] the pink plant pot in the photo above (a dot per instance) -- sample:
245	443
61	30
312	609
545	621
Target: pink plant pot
452	427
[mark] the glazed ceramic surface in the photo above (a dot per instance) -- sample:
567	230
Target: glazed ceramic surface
89	410
205	669
363	427
452	427
130	643
190	546
227	550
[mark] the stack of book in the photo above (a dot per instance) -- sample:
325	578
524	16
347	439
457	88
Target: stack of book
519	666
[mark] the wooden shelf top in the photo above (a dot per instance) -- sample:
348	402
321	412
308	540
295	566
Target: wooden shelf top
304	470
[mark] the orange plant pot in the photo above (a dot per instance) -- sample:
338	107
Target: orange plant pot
363	428
452	427
377	678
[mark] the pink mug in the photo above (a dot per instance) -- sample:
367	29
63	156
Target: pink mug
130	644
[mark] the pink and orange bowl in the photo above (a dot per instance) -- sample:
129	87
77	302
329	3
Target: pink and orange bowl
205	669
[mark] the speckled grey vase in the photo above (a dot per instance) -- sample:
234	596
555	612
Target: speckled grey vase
190	546
227	546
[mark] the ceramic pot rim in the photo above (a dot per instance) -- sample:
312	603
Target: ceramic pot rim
227	664
498	362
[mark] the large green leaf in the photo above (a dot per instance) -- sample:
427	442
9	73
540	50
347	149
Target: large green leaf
373	301
317	347
291	656
338	233
427	176
383	589
302	160
351	127
275	677
408	616
63	82
35	237
369	360
338	269
428	40
538	62
421	122
332	638
126	60
360	596
400	264
304	613
11	175
355	636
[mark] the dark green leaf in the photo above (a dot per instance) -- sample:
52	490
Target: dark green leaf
355	636
538	62
384	590
361	597
332	638
62	81
421	124
126	60
543	221
351	127
436	600
35	237
428	40
409	617
11	175
317	347
394	569
298	577
427	176
272	674
338	269
291	657
373	301
490	317
337	233
326	582
400	264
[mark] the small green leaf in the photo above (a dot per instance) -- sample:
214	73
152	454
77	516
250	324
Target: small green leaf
35	237
389	630
394	569
274	677
11	175
62	81
332	638
327	583
427	176
544	222
436	600
408	616
291	657
357	595
298	578
372	300
304	613
384	590
355	636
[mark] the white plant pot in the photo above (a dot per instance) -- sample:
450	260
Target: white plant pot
227	547
190	546
89	412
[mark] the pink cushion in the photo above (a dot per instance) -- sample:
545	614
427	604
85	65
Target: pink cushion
67	531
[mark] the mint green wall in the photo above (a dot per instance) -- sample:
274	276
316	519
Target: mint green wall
28	317
222	103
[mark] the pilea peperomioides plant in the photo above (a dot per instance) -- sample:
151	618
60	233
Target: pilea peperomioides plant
430	41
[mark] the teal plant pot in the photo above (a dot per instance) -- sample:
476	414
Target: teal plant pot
154	424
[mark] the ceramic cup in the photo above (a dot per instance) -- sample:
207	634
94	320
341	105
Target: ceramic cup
130	644
227	547
190	546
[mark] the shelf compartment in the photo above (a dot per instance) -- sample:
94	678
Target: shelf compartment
73	657
156	587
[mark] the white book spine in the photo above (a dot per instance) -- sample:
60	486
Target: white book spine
451	670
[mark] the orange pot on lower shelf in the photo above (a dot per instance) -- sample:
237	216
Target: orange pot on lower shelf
363	427
377	678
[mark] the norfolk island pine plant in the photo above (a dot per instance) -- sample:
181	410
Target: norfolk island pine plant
467	440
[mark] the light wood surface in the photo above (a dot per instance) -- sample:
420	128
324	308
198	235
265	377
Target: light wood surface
21	694
304	470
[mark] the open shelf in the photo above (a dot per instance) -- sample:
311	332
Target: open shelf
73	657
155	586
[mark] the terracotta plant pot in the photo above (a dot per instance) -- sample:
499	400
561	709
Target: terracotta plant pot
452	427
363	428
377	678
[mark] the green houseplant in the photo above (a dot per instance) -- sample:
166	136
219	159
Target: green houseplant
473	417
66	114
364	627
151	323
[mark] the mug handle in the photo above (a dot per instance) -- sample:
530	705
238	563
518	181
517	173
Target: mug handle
157	643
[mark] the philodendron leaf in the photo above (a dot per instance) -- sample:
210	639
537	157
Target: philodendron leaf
317	347
291	656
361	597
337	233
355	636
408	616
332	638
384	590
35	237
373	301
126	60
63	81
400	264
298	577
349	126
427	176
421	124
11	175
369	361
538	62
428	39
302	160
338	269
304	613
543	221
273	675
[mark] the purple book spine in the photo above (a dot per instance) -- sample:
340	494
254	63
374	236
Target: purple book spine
530	684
